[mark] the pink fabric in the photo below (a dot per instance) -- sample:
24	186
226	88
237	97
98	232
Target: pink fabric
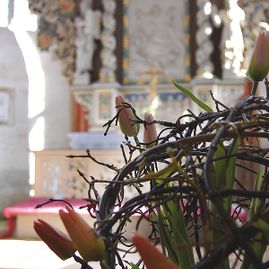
28	207
10	229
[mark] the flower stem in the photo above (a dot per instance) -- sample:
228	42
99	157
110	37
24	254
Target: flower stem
254	87
84	264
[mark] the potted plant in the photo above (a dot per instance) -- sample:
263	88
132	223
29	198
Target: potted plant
200	212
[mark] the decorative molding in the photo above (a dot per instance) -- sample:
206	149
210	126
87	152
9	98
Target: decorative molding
108	39
57	176
256	20
172	104
98	101
232	43
204	44
56	30
88	29
156	33
68	29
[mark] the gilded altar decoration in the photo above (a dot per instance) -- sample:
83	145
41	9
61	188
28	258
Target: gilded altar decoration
56	30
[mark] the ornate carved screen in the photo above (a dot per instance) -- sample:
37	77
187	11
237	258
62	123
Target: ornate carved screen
156	34
256	20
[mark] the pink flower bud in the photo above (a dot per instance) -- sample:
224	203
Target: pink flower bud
56	240
259	63
89	245
151	256
126	118
150	132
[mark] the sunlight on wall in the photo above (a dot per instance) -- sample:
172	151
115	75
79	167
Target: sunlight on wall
36	88
4	13
264	25
23	22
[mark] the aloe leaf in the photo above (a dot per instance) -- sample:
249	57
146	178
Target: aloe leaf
230	173
220	166
170	244
164	173
195	99
219	178
134	266
177	225
255	201
257	244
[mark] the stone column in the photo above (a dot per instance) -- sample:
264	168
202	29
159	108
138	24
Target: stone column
108	39
204	44
232	43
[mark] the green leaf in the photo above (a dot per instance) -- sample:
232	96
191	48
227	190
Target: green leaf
178	229
262	225
134	266
220	166
231	165
256	201
230	173
258	243
195	99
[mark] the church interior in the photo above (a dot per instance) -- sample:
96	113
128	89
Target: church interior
63	62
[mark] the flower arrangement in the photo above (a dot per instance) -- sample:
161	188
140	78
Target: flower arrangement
198	218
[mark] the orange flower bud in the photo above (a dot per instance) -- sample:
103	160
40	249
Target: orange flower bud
89	245
151	256
56	240
127	118
259	63
150	132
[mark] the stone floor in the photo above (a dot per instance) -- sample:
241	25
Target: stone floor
34	254
29	254
23	254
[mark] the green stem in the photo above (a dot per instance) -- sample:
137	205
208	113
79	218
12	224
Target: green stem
83	263
254	87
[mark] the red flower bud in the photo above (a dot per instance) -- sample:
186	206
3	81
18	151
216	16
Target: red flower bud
89	245
151	256
259	63
126	118
150	132
56	240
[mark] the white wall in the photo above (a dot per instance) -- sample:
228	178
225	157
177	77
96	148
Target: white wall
57	111
14	146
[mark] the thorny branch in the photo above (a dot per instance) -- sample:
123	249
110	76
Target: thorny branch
183	161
